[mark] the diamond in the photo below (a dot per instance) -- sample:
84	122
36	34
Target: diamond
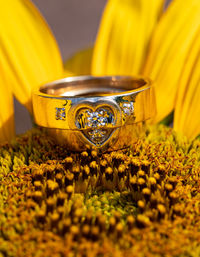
97	133
97	125
128	108
98	136
86	118
60	113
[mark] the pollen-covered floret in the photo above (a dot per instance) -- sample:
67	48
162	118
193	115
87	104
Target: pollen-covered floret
142	201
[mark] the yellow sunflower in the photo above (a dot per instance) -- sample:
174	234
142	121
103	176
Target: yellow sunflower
140	37
142	201
29	56
135	37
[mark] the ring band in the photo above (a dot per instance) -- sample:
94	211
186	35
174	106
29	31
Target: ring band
94	112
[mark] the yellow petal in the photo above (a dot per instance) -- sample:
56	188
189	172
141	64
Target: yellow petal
6	108
79	63
123	36
187	107
169	50
30	53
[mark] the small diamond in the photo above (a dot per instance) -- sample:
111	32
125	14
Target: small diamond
96	119
97	134
87	118
128	108
60	113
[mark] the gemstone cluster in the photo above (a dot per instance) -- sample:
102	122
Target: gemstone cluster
95	123
87	118
127	108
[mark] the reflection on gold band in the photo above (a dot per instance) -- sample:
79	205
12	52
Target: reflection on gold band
103	112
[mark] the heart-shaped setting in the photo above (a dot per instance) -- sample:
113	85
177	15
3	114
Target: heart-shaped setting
96	125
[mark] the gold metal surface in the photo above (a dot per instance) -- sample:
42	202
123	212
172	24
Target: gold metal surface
102	112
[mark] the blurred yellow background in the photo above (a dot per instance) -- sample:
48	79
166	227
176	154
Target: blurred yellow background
74	24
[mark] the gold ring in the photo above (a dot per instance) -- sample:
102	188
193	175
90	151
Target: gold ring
94	112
